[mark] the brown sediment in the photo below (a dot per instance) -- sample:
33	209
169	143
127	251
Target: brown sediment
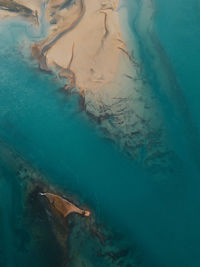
129	56
64	24
19	8
40	57
106	27
70	74
72	56
63	206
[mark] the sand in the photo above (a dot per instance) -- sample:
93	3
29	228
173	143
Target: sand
63	206
87	45
92	46
35	5
30	10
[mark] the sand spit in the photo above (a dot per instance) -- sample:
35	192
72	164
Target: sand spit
85	45
63	206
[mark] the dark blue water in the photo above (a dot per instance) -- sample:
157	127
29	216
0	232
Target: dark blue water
157	213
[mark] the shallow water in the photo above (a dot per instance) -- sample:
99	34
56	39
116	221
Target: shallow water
159	214
168	34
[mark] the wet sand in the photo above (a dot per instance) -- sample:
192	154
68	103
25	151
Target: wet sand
26	9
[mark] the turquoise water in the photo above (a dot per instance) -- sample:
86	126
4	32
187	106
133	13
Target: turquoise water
168	34
158	214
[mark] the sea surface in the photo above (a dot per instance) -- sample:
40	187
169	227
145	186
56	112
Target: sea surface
158	215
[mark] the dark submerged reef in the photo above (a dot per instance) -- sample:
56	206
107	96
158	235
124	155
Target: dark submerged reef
41	230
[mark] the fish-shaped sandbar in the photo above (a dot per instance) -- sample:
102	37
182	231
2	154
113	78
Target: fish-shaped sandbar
63	206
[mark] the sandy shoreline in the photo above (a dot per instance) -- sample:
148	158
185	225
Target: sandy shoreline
90	45
80	47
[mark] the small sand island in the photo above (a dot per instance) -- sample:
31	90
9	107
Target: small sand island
63	206
86	44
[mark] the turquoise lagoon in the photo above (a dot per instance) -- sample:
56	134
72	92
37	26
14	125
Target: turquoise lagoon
158	216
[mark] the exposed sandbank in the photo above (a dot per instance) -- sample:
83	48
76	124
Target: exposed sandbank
90	51
63	206
86	45
84	42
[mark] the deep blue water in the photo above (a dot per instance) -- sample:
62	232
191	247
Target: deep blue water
158	214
